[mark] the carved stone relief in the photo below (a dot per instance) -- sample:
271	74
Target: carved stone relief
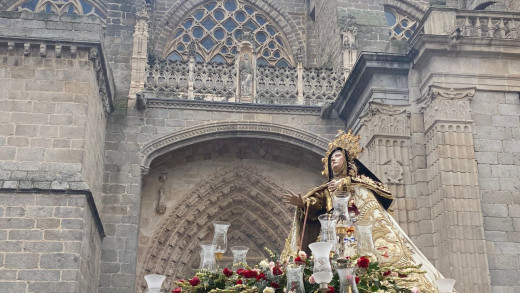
393	171
161	206
386	119
450	104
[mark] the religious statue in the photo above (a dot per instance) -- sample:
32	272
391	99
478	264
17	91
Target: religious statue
371	200
246	76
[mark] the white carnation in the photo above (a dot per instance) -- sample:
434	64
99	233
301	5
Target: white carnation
268	290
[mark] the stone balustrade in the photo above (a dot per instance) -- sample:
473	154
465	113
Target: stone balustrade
218	82
488	24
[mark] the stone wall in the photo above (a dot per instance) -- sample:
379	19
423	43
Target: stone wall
48	243
54	106
497	151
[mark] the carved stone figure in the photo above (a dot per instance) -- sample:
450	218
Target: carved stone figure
246	76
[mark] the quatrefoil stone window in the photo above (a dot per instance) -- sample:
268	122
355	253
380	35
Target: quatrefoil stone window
215	28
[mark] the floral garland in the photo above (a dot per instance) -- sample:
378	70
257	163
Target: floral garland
269	277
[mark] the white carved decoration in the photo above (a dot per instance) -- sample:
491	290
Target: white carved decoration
446	104
393	171
386	119
349	47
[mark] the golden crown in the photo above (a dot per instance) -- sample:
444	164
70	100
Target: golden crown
346	141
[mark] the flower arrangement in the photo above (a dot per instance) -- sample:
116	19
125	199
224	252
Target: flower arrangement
269	277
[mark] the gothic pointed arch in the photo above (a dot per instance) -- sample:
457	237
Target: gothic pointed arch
60	7
239	195
229	129
275	24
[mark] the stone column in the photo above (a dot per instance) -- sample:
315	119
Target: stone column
139	55
457	224
386	135
299	69
191	71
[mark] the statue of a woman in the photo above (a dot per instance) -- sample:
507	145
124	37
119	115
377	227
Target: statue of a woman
371	198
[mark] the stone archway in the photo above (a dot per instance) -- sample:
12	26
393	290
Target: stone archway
229	129
240	195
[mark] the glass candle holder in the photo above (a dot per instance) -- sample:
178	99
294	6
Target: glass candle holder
154	282
445	285
220	238
207	256
365	243
347	280
239	256
322	271
340	202
328	229
294	275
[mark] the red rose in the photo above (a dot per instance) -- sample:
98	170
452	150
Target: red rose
402	275
298	260
227	272
239	282
277	271
240	272
387	273
250	274
363	262
357	280
261	276
331	290
178	290
275	285
194	281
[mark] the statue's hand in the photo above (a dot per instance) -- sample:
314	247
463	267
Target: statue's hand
333	185
293	199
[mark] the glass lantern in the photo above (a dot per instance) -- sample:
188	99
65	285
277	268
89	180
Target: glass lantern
445	285
347	280
365	243
220	238
328	229
294	275
239	256
154	282
207	256
322	271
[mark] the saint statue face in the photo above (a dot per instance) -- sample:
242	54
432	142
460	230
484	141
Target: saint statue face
337	161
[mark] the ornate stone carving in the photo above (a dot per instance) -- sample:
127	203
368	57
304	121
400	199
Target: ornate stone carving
27	49
450	104
10	47
73	51
222	129
170	251
349	46
58	51
161	205
43	50
380	118
103	88
393	171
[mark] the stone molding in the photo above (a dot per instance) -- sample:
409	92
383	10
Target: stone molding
226	107
171	249
446	104
223	129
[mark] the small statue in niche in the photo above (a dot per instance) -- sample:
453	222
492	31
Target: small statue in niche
246	76
161	205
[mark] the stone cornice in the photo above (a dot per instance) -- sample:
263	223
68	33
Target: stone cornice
232	107
366	66
62	33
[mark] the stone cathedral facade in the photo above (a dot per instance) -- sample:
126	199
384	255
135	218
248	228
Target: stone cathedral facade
127	127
